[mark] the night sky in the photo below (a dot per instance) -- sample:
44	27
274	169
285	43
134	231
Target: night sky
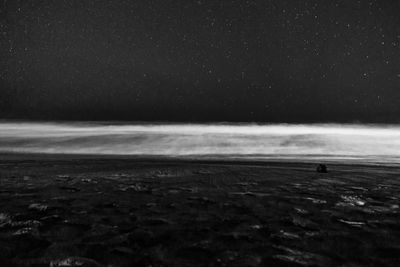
204	60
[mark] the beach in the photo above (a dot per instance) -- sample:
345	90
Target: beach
199	133
128	211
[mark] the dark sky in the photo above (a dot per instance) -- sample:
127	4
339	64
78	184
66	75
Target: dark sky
203	60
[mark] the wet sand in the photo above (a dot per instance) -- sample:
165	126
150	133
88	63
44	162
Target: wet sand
88	211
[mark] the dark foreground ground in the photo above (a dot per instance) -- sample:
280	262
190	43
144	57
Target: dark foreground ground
124	212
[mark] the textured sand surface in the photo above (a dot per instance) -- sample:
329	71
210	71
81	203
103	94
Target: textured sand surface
123	212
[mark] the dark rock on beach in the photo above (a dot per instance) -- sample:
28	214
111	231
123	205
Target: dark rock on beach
322	168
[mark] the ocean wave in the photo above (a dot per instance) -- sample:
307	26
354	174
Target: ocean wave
379	142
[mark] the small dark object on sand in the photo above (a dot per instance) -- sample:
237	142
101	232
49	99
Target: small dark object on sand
322	168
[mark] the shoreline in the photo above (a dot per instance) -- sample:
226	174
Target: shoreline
206	159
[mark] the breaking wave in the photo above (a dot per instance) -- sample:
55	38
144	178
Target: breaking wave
323	141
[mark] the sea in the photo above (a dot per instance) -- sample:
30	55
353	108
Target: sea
367	143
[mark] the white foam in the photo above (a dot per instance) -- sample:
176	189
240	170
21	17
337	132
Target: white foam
259	141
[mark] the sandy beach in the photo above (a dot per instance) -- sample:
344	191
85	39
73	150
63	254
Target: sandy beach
116	211
203	133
